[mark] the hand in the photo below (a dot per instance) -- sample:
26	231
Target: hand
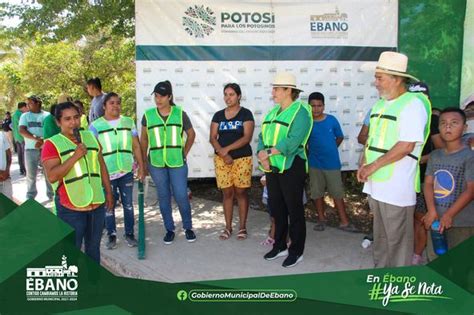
262	155
4	175
109	202
80	151
141	174
266	165
428	219
228	159
263	181
446	222
365	171
39	143
222	152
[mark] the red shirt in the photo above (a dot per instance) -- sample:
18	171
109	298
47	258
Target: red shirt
48	152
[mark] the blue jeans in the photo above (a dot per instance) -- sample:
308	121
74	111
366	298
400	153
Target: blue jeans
172	180
88	226
124	187
32	162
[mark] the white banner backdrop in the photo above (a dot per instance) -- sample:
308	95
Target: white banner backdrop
201	46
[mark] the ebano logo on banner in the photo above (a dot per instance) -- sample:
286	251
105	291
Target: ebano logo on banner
52	283
329	25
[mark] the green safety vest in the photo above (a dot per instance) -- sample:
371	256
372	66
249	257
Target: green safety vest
384	130
165	137
116	144
275	128
83	182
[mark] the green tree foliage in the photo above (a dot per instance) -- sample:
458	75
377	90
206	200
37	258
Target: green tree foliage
59	44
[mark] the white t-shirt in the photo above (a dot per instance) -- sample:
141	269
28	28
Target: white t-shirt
399	190
4	146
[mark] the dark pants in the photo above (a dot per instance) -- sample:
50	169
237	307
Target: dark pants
20	150
285	198
88	226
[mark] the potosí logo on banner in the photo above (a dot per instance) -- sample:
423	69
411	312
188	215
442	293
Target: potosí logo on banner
52	283
329	25
199	21
396	288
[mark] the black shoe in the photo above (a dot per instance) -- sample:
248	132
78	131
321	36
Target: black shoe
275	253
112	242
169	237
292	260
131	241
190	236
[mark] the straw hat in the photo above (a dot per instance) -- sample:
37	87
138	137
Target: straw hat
64	98
285	79
394	63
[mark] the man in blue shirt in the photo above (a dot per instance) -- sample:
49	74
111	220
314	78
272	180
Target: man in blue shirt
324	163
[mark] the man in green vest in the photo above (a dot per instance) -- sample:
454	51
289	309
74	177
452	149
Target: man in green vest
399	127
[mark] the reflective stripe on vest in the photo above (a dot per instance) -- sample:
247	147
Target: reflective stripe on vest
165	138
384	130
116	144
83	182
275	127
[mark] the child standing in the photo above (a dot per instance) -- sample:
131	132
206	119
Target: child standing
449	182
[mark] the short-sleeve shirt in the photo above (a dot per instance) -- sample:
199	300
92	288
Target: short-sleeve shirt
48	152
34	124
429	145
451	172
4	146
50	128
323	153
231	130
367	118
399	190
97	107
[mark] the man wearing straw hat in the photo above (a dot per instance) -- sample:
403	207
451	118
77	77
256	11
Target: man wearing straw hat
399	126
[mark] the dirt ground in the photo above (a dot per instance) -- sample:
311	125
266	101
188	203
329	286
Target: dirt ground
356	202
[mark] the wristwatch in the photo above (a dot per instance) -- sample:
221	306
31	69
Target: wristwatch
269	152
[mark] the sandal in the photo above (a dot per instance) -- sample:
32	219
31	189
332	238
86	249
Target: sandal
225	235
320	226
242	235
268	241
349	228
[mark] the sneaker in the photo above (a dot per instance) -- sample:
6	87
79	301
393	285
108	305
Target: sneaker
292	260
112	242
131	241
417	260
190	236
275	253
169	237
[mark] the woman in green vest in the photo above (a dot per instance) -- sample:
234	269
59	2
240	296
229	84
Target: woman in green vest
163	143
281	153
118	137
74	165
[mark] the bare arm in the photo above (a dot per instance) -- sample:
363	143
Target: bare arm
144	146
213	136
339	141
248	134
428	193
190	136
363	134
137	153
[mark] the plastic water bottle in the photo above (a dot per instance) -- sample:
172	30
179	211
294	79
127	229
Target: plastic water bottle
440	244
366	242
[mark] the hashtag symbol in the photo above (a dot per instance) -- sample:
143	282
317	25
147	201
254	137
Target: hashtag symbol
374	292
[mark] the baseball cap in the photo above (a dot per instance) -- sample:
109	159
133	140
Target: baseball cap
163	88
